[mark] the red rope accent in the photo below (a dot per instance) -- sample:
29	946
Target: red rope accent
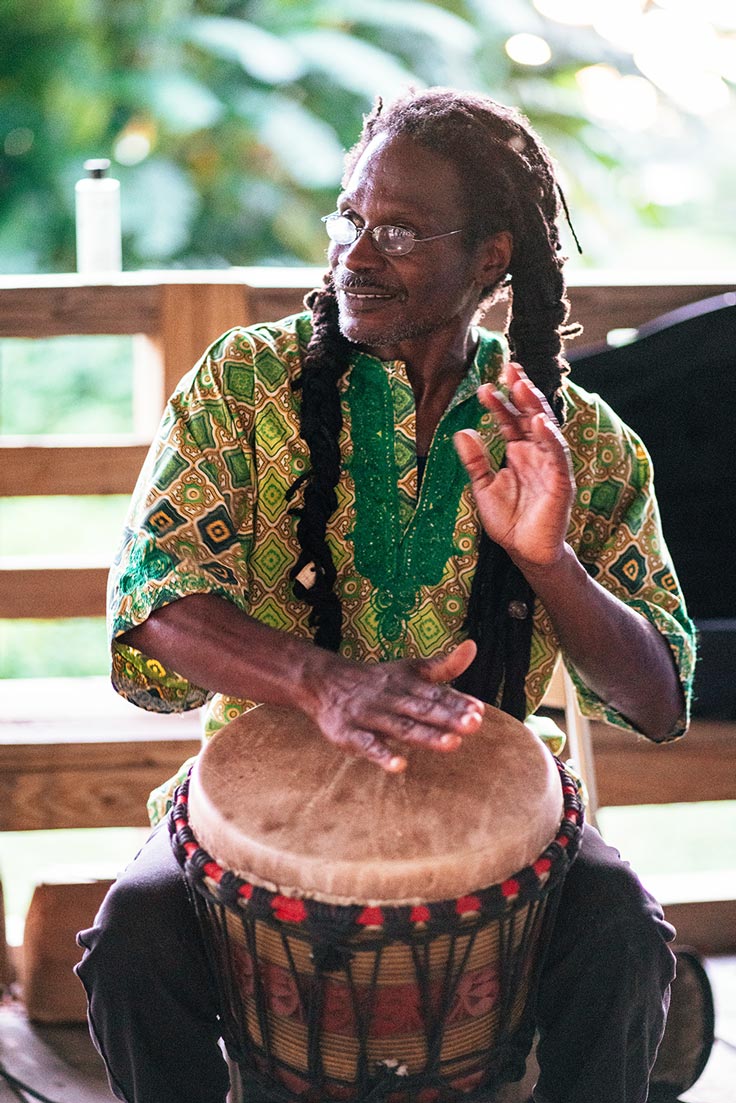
420	914
466	904
370	917
289	909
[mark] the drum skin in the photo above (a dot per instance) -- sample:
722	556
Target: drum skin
274	802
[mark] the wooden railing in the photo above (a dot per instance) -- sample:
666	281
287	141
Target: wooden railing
174	316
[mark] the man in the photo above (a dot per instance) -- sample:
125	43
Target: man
306	488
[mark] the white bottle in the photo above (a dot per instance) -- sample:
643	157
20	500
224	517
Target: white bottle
97	199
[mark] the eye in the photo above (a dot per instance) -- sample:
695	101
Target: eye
394	240
341	229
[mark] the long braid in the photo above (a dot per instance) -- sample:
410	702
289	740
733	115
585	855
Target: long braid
324	362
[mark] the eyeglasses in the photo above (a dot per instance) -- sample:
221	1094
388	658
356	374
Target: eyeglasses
393	241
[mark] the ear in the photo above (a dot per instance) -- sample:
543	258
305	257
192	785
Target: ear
494	258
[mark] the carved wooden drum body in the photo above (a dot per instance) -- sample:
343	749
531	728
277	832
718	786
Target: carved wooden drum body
374	936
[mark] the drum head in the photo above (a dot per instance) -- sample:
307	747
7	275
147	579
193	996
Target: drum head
271	800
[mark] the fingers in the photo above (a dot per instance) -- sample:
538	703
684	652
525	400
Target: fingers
472	452
516	411
548	436
402	702
447	667
524	394
366	744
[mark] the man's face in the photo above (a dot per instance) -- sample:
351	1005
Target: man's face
393	304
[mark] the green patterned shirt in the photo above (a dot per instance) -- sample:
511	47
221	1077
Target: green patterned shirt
210	515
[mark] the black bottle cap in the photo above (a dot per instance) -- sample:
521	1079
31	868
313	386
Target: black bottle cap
96	167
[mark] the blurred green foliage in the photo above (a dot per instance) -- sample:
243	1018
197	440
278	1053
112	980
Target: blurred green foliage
72	648
226	120
75	384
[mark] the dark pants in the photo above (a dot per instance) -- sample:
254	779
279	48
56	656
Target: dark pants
601	1009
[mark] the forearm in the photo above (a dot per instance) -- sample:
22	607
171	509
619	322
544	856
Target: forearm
213	644
618	653
358	706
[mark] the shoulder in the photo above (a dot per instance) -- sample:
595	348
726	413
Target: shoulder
587	413
602	445
492	353
265	355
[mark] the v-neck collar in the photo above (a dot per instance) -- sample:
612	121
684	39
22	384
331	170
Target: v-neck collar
402	542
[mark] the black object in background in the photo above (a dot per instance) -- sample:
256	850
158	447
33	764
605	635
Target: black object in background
674	383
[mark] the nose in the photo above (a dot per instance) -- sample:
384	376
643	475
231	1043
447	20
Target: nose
362	255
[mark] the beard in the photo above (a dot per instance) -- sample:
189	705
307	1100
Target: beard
371	330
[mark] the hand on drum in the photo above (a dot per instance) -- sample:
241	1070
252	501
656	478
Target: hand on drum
364	708
524	507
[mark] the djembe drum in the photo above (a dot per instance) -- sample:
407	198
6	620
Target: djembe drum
375	936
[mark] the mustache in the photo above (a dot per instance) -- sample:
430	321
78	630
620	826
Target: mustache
357	283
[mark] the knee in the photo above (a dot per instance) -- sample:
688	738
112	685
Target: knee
606	914
602	888
144	922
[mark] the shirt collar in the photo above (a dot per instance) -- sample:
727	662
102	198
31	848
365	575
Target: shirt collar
485	367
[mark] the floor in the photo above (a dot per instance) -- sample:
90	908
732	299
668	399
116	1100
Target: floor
60	1065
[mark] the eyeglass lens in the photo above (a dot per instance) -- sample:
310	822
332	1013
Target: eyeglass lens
392	240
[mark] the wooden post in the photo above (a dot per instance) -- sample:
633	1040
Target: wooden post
191	317
6	971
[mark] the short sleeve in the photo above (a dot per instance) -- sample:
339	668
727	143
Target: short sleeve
190	525
622	544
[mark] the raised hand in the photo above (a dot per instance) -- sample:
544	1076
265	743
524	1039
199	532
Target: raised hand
364	708
524	507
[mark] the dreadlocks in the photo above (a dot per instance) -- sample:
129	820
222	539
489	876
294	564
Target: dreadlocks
509	184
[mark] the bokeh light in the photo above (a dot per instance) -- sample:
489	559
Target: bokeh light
528	49
134	143
18	141
679	54
629	101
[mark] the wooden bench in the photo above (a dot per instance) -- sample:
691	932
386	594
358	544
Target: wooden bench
75	754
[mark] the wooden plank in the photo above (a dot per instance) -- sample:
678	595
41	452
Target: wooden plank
149	397
30	590
109	786
606	306
700	767
93	751
268	304
602	308
709	926
598	308
75	754
60	310
59	1062
77	710
69	465
632	770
